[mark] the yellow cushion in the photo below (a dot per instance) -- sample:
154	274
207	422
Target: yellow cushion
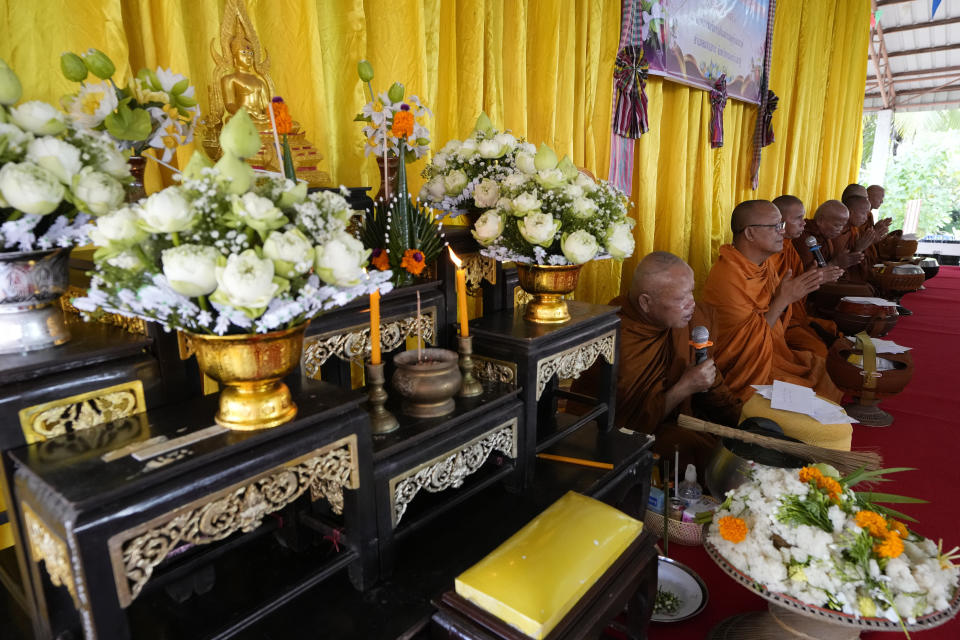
799	426
533	579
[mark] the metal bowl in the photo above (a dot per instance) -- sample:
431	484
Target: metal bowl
731	462
427	385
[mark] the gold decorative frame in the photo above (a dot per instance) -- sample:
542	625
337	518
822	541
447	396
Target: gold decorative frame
136	552
574	361
452	468
82	411
353	342
136	326
51	550
479	268
493	370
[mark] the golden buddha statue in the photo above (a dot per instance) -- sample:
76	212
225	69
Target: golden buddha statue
242	79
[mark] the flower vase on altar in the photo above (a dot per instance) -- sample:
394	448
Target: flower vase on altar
135	189
388	171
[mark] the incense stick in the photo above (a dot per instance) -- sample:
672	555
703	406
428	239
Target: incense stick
844	461
419	332
580	461
276	138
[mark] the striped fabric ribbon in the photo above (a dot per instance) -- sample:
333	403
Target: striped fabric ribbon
630	101
763	132
718	100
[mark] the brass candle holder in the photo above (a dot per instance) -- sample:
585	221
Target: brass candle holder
381	420
471	386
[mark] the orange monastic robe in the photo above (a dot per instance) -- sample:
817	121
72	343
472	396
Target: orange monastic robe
798	332
749	351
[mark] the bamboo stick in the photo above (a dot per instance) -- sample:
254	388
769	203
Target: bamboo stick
844	461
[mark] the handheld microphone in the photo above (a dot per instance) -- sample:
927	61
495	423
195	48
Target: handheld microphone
700	340
814	247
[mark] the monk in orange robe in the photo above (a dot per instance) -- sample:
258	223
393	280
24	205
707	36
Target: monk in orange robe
659	377
751	301
800	332
864	235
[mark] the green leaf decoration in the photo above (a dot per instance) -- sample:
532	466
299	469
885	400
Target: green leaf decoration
892	498
862	475
288	168
129	124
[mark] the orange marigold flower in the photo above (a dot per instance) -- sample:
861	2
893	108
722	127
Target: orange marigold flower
873	522
402	124
899	527
380	259
732	529
831	486
413	261
890	547
810	473
281	115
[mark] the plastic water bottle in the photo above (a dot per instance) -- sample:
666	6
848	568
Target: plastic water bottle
689	491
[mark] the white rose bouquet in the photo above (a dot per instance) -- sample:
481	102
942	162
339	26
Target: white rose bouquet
53	176
157	109
806	534
549	213
465	175
205	257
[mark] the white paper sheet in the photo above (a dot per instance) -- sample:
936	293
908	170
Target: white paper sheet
884	346
799	399
880	302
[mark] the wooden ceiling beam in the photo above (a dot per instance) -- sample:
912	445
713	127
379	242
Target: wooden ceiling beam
949	86
922	25
910	52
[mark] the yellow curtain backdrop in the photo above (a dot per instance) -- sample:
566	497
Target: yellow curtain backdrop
542	68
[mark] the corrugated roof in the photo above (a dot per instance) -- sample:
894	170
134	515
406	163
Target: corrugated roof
921	62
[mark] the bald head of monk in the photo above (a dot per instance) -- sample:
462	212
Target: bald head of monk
757	229
831	218
793	212
859	208
853	190
662	290
875	193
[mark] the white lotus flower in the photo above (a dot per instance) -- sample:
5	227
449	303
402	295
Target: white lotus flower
515	180
39	118
118	229
506	140
341	261
579	247
488	228
434	190
551	178
467	149
585	182
246	283
619	240
525	163
486	194
30	188
491	149
258	212
61	158
290	251
451	147
13	142
525	203
97	193
191	269
454	182
539	228
93	103
584	208
166	211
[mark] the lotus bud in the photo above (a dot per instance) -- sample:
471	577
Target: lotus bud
545	158
365	71
239	137
483	123
198	162
10	89
99	64
396	92
72	67
568	169
235	172
293	196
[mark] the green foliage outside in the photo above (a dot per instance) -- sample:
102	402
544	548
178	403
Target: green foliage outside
926	167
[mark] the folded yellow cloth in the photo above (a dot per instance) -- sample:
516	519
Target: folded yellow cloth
799	426
533	579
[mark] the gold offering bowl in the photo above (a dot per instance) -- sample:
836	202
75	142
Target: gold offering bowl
547	284
251	368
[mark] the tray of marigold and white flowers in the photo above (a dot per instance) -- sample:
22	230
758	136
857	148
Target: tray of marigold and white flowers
805	540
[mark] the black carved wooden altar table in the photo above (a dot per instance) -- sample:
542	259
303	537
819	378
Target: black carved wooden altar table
540	355
122	512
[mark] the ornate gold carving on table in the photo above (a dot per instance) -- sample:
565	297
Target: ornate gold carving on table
51	550
451	469
493	370
574	361
354	342
325	472
241	78
82	411
107	436
136	326
479	268
520	298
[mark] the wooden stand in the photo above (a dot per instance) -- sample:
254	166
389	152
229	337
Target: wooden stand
779	623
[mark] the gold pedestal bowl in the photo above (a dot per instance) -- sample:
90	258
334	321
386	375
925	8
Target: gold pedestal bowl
251	367
547	284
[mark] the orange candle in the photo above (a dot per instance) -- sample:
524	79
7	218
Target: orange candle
375	327
461	294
